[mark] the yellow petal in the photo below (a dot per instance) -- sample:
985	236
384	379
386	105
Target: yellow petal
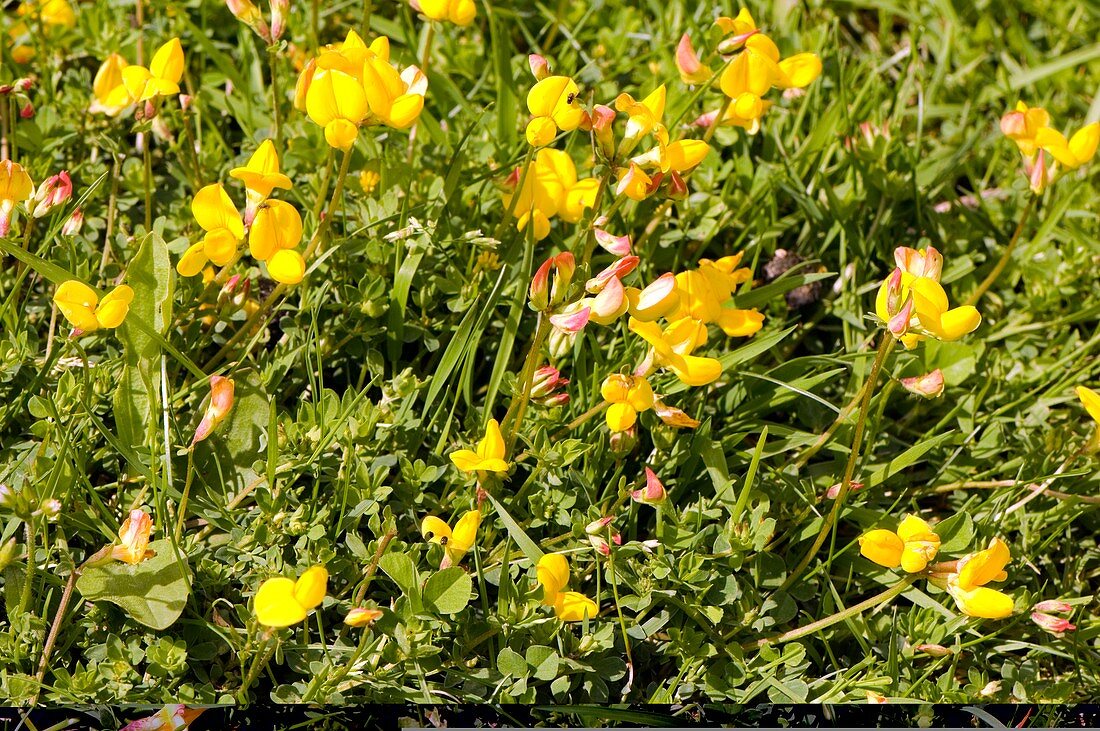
982	567
620	417
114	307
335	95
958	322
192	261
491	445
466	460
882	546
310	588
77	302
686	154
220	246
695	370
1091	400
286	266
912	528
464	535
435	530
740	323
553	575
1084	142
341	134
275	604
213	209
982	602
572	606
167	63
404	111
798	71
917	554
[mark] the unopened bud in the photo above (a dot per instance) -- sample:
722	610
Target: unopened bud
27	111
362	617
677	188
280	9
53	191
623	442
186	100
50	508
929	386
538	294
221	401
540	67
235	291
934	650
601	120
7	553
653	493
1053	605
833	491
547	380
73	223
1055	625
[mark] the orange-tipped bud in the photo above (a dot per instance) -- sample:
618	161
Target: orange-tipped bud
221	401
687	61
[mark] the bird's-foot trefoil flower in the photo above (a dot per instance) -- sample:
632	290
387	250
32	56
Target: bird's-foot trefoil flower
82	307
15	187
281	602
217	410
554	105
968	584
459	12
628	396
489	455
260	176
133	539
456	543
218	217
912	547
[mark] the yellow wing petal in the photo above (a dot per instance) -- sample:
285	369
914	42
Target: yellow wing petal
275	604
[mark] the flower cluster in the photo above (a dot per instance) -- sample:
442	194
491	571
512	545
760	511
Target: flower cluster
119	84
274	227
913	547
351	85
1029	128
912	304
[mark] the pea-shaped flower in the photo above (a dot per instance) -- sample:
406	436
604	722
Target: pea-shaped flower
968	584
456	543
489	455
553	105
218	217
82	307
281	602
911	547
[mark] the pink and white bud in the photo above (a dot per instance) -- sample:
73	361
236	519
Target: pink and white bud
564	268
677	187
834	490
600	121
1054	605
926	263
929	386
235	291
705	120
186	100
610	304
280	9
73	223
653	493
899	323
624	442
50	509
362	617
617	270
692	71
893	291
53	191
572	320
1014	124
1055	625
540	67
617	245
221	401
934	650
1039	171
538	294
547	380
597	526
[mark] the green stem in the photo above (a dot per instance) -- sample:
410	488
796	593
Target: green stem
1000	267
518	408
364	24
259	662
619	612
28	577
186	491
884	348
832	619
273	62
147	155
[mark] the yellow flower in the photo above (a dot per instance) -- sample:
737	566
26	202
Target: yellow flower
911	548
362	616
489	456
1021	125
107	79
218	217
553	575
660	298
81	305
1074	152
140	84
642	116
337	102
217	411
286	266
15	187
628	396
281	602
1091	400
277	226
572	606
672	348
459	12
553	105
915	307
133	536
550	188
634	183
974	571
692	71
704	293
457	542
261	175
51	12
678	156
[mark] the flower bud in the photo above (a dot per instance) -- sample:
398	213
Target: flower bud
934	650
7	553
597	526
540	67
692	71
653	493
899	323
1053	605
564	268
617	245
677	188
1038	172
133	538
547	380
53	191
560	342
50	509
362	617
280	9
185	102
73	223
601	120
624	442
161	130
834	490
26	111
617	270
1055	625
674	417
539	292
929	386
221	401
235	291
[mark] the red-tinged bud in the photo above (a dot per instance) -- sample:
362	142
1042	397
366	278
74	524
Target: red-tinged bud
6	88
600	544
53	191
73	223
1053	605
1038	172
186	100
221	401
833	491
512	181
540	67
538	294
601	120
617	245
572	321
564	268
624	442
161	130
24	84
280	9
617	270
733	43
547	380
235	291
929	386
553	402
692	71
597	526
893	291
673	416
899	323
1055	625
705	120
1014	124
926	263
677	187
27	111
653	493
362	617
934	650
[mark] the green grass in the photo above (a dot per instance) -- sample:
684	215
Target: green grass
401	343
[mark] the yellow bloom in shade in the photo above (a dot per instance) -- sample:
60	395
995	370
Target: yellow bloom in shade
51	12
107	79
218	217
705	292
572	606
82	307
973	572
277	226
261	174
1091	400
1022	124
553	575
553	105
337	102
628	396
459	12
489	456
911	548
672	348
457	542
396	99
551	189
362	616
634	183
141	84
1074	152
281	602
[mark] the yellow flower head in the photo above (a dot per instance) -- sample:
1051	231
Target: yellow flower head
1022	124
218	217
107	79
916	307
459	12
642	116
705	293
138	84
672	348
659	299
281	602
337	102
628	396
277	226
913	546
553	105
553	575
261	175
572	606
489	456
1074	152
550	189
51	12
82	307
973	572
133	536
457	542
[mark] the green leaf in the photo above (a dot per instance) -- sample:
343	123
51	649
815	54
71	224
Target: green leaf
956	533
152	277
448	591
400	568
153	592
544	660
510	662
530	548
